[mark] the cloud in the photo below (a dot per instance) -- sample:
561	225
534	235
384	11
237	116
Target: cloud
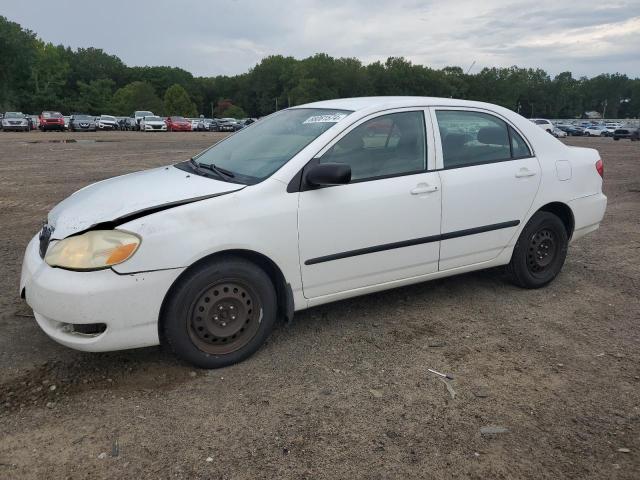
229	37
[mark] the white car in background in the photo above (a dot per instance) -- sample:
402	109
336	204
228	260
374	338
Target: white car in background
612	126
312	204
107	122
543	123
153	124
556	132
594	130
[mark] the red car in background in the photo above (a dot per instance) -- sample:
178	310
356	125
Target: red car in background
51	121
178	124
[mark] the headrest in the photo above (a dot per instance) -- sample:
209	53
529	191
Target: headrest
493	136
454	140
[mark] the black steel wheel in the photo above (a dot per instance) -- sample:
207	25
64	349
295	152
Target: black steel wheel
540	251
219	313
225	317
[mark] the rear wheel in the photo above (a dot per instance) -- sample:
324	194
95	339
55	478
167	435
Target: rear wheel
220	313
540	251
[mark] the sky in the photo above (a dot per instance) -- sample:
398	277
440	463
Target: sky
228	37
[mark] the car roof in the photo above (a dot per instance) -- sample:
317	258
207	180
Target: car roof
361	103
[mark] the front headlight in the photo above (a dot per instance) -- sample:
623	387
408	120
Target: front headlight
93	250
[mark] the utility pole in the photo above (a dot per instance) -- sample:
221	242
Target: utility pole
211	109
276	104
604	109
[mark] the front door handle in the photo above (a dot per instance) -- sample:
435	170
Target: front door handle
525	172
423	188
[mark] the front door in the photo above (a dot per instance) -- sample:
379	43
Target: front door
385	224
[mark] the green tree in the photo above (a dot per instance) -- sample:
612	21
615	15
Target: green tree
18	51
233	111
136	96
49	75
177	102
95	97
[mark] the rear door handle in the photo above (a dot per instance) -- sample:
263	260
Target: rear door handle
525	172
423	188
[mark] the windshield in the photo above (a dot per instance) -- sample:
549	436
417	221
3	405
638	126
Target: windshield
177	119
13	115
259	150
82	117
51	115
108	117
153	119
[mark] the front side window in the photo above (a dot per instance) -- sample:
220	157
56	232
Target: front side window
254	153
472	138
388	145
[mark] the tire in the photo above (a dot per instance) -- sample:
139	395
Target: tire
219	313
540	251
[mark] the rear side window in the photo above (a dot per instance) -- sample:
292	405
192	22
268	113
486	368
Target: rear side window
472	138
519	148
385	146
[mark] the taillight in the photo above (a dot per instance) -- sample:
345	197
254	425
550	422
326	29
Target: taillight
600	168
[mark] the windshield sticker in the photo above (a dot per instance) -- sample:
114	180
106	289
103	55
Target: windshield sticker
333	118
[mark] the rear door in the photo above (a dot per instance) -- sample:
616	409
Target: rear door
490	177
385	224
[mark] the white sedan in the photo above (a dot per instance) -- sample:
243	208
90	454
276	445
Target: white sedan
153	124
313	204
594	131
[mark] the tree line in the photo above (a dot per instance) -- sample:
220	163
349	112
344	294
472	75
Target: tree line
36	75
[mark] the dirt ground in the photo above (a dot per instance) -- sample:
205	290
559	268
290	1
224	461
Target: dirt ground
344	391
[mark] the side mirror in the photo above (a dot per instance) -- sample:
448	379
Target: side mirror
324	174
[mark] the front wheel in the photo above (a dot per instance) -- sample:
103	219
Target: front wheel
220	313
540	251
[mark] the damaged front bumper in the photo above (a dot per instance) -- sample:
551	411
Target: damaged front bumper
94	311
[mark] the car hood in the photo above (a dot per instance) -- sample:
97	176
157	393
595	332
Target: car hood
121	199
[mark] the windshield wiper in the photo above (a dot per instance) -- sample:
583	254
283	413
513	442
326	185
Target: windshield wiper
221	172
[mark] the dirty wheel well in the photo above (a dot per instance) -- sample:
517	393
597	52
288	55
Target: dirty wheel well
283	289
563	212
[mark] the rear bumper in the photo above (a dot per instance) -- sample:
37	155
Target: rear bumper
588	212
129	305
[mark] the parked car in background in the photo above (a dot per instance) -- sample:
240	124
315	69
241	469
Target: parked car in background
33	121
178	124
594	131
152	123
543	123
51	121
80	122
631	133
304	208
138	115
107	122
612	127
571	130
197	124
558	133
228	125
130	124
14	121
213	125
